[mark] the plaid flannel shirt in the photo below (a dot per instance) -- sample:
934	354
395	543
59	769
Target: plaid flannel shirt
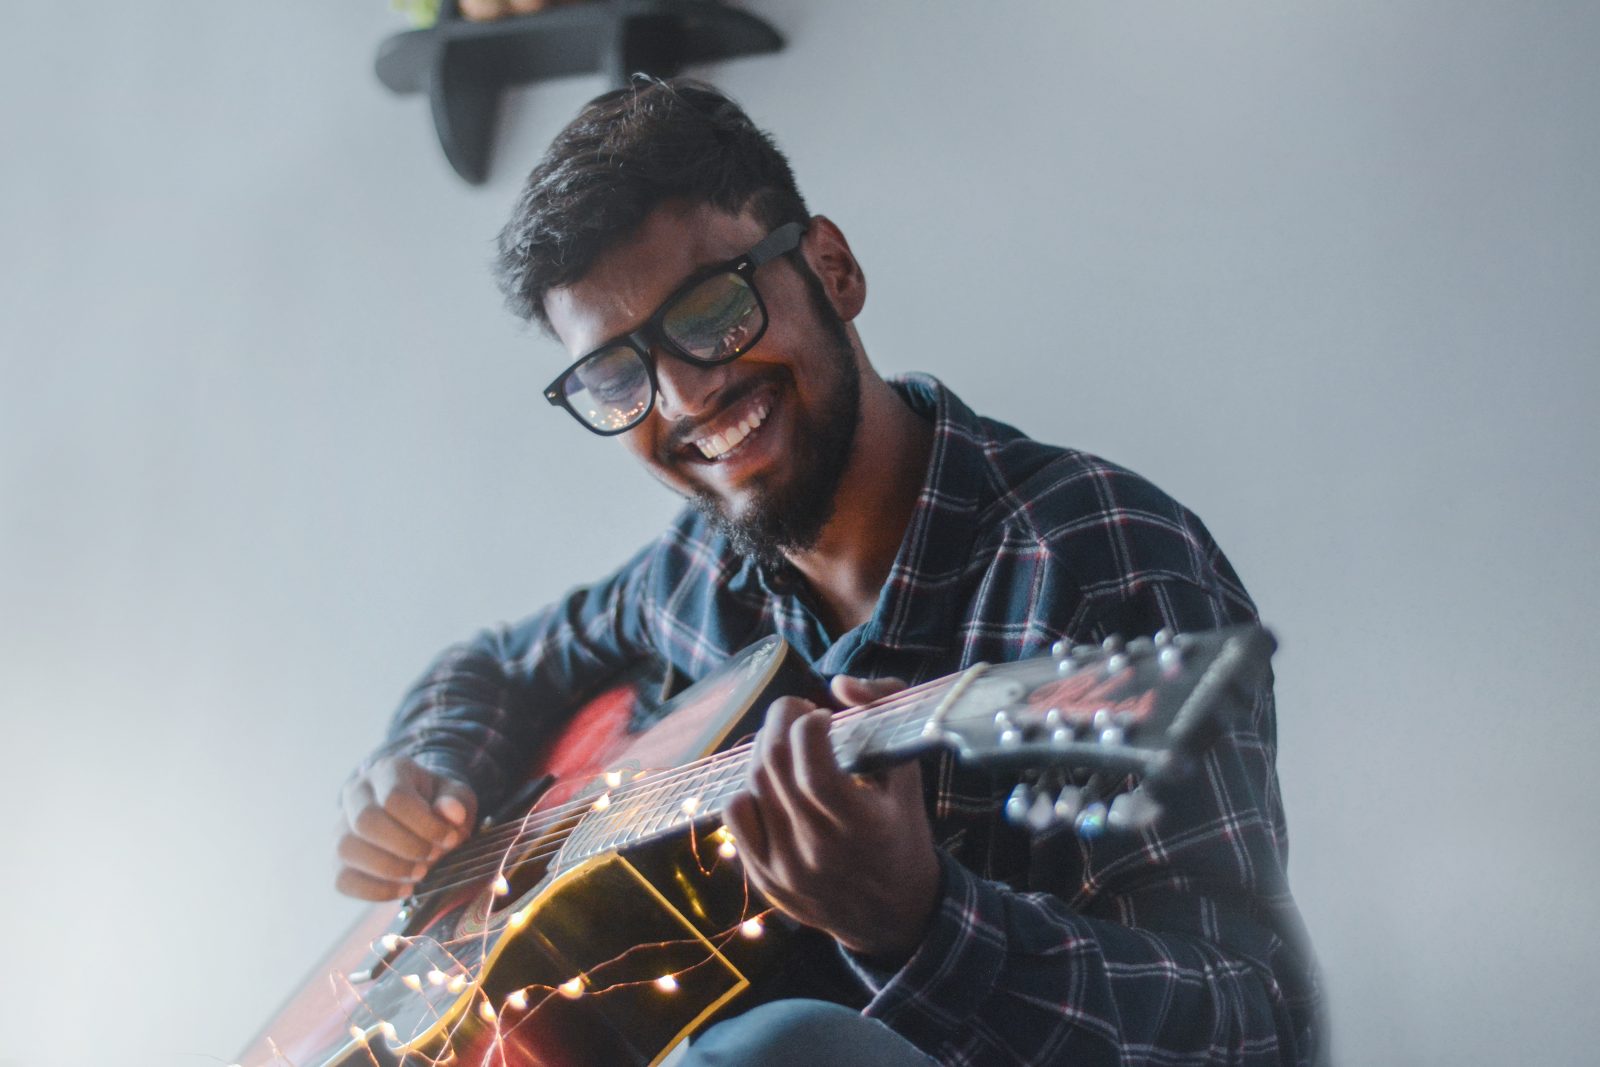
1177	945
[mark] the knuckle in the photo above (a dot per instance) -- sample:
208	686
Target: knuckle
786	709
370	823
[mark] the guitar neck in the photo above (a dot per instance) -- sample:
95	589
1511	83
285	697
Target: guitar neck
875	735
1143	709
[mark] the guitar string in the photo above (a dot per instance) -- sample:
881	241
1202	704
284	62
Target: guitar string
537	822
671	776
471	868
642	794
494	843
465	874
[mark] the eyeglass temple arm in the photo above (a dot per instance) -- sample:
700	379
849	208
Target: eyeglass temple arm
784	239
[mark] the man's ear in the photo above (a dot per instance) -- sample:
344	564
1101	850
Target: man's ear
831	260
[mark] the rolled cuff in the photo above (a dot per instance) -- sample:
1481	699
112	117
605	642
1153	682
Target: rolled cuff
952	971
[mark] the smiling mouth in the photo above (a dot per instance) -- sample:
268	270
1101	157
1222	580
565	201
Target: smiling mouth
718	445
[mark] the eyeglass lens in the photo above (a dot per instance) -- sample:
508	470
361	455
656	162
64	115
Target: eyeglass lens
714	321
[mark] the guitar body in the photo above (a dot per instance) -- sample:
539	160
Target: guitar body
534	960
611	919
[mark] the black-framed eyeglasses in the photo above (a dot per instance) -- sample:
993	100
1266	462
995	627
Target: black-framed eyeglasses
713	318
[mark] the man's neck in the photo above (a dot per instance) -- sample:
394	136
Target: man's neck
877	495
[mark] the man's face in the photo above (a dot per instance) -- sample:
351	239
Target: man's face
794	397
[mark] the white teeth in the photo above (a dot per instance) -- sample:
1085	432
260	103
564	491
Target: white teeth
719	444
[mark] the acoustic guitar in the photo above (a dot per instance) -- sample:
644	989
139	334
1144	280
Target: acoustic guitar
609	919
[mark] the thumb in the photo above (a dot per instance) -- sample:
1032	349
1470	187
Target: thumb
455	802
851	691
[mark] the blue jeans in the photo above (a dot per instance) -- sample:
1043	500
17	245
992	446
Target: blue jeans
802	1033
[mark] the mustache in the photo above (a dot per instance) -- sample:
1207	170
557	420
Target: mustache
686	432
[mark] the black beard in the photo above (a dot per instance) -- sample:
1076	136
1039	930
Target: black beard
790	516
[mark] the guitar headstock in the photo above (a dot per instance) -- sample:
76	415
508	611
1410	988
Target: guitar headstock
1146	708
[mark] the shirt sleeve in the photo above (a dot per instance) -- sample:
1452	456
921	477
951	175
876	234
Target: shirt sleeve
1174	945
480	711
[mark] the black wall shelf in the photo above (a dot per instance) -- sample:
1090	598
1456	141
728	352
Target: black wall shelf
463	65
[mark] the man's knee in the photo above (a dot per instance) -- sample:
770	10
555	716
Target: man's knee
792	1033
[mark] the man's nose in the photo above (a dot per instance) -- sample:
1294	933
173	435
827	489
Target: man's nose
686	390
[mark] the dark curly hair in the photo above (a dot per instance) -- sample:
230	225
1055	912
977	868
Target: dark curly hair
629	151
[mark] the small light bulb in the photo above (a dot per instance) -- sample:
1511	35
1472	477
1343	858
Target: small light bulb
359	1034
457	983
727	850
391	942
520	918
518	1000
613	778
691	805
572	989
436	976
667	983
388	1030
487	1011
750	928
501	886
601	802
413	982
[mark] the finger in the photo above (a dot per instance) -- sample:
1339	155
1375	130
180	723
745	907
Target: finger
367	858
373	824
819	783
774	734
772	811
904	783
743	820
851	691
406	791
772	756
743	817
457	803
365	887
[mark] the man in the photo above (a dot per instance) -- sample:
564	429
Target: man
887	533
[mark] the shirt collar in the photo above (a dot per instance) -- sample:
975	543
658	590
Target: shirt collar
917	609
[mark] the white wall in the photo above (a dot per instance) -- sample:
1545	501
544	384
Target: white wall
1324	271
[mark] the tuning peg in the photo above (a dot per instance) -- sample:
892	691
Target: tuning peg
1163	636
1042	813
1062	649
1068	803
1132	810
1007	730
1112	644
1107	728
1091	822
1061	732
1141	646
1019	803
1170	660
1117	663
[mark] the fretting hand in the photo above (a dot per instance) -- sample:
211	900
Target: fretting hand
852	855
397	819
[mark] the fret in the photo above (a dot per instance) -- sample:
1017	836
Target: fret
642	809
883	730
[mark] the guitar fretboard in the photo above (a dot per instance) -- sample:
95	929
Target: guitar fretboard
653	805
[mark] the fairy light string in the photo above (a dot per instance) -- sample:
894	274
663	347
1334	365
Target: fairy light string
626	810
654	799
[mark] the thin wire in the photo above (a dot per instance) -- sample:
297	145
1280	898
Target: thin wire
489	841
492	852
